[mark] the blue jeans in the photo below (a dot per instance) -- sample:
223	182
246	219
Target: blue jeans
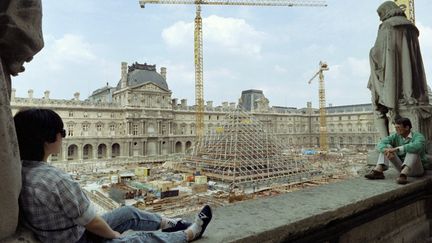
144	224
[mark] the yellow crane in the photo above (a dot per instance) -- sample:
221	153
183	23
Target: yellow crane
322	103
408	7
198	54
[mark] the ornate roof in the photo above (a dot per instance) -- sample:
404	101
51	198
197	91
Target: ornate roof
144	73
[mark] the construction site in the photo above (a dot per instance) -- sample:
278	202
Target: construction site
241	160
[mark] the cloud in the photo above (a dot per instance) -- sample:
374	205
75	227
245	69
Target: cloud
178	34
425	36
279	69
69	49
72	48
231	34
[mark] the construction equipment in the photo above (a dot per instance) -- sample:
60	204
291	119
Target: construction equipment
322	102
408	7
199	90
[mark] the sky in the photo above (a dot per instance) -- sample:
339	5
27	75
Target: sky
274	49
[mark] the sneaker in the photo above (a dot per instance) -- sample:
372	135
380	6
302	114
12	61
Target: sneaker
180	225
205	215
402	179
374	175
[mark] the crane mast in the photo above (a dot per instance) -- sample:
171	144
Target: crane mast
408	7
322	103
198	43
199	89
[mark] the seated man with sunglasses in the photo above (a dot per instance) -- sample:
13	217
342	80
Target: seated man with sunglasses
405	149
56	209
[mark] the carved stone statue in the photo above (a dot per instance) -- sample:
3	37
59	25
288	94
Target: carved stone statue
397	76
20	39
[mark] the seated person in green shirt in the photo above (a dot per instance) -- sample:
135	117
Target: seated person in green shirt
405	149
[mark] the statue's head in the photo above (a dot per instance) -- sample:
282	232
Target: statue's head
389	9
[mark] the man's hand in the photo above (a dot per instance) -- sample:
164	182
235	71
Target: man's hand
390	153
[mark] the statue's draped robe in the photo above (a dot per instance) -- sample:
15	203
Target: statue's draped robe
397	73
20	39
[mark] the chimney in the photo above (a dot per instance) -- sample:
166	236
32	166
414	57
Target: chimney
174	102
30	94
123	79
184	103
232	105
163	72
46	94
209	104
13	94
77	96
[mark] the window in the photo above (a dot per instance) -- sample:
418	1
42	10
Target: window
99	127
135	129
99	114
71	114
112	115
112	127
370	127
85	114
85	127
54	157
70	130
71	151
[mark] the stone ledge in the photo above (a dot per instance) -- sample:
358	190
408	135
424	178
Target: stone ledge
297	216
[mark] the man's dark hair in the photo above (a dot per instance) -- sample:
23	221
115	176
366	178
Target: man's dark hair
34	128
405	122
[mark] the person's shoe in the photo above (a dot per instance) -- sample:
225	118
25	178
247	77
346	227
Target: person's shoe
402	179
180	225
374	175
201	221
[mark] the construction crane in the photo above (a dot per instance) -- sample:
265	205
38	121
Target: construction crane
198	43
322	103
408	7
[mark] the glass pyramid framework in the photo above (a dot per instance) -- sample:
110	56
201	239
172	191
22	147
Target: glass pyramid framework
244	153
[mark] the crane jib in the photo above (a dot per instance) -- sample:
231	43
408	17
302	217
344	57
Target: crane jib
287	3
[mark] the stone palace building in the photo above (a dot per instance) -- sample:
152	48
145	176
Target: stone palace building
139	120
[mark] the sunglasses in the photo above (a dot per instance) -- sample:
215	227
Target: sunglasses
63	133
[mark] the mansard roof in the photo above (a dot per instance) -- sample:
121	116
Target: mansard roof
144	73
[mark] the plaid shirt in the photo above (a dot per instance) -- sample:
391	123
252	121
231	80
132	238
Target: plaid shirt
52	204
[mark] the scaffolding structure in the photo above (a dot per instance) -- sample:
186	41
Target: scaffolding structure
244	153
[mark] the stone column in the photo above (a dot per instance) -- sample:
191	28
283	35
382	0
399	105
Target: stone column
64	152
80	151
95	151
10	166
109	151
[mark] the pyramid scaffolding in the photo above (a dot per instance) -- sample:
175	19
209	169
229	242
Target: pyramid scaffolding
244	153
